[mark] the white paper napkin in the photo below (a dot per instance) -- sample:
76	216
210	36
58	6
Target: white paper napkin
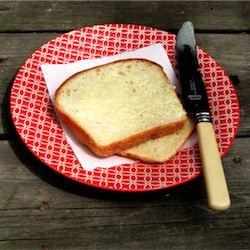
56	74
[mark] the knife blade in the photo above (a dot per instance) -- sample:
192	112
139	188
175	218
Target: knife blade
195	101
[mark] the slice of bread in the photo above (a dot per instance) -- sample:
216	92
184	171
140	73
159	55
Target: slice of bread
118	105
161	149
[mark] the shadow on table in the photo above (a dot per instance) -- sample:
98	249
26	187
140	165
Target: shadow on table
189	192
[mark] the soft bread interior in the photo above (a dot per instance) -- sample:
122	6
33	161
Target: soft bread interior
117	100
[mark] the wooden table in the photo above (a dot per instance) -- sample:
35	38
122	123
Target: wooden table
42	210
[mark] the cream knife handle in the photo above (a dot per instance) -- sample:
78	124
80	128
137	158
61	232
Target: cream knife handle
216	186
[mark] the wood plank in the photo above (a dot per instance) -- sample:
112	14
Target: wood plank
13	53
81	217
68	15
231	51
15	49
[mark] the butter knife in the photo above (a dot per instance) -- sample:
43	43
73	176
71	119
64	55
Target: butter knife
196	103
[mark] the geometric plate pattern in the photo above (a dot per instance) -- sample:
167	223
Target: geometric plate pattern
35	121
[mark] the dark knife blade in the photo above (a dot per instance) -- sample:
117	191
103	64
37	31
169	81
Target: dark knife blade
193	88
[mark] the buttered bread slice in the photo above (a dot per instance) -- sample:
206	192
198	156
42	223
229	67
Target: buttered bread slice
118	105
161	149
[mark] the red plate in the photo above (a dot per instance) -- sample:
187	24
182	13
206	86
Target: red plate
34	117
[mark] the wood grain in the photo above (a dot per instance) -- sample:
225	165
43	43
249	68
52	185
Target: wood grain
67	15
40	209
232	52
224	48
86	218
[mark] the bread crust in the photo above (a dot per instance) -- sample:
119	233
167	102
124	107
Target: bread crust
116	147
141	158
104	65
154	160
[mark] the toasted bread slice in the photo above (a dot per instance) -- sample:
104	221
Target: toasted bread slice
118	105
161	149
